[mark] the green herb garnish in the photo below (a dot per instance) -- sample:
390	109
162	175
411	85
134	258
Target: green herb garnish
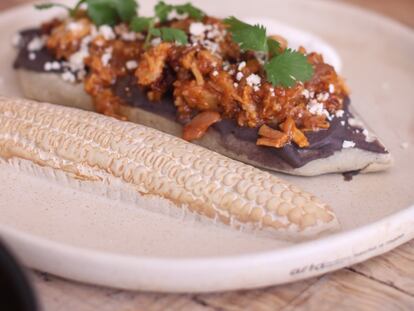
283	68
287	68
173	35
101	12
249	37
274	47
140	24
162	10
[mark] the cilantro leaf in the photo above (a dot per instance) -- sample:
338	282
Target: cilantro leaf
49	5
287	68
126	9
162	10
140	23
249	37
173	35
111	11
191	10
274	47
101	13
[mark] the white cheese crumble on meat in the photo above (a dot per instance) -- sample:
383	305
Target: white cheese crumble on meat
239	76
131	64
76	60
254	80
322	97
156	41
197	29
129	36
331	88
74	26
348	144
106	57
107	32
241	66
215	73
306	93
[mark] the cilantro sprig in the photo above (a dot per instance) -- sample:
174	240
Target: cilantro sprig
168	34
250	37
162	10
101	12
283	68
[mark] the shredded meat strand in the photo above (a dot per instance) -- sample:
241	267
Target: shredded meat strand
197	127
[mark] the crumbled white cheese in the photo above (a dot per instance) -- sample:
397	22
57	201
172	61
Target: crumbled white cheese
254	81
56	66
343	123
314	107
17	40
49	66
215	73
348	144
131	64
197	29
68	77
129	36
76	60
74	26
322	97
339	113
235	84
331	88
107	32
272	91
156	41
368	136
306	93
36	44
106	57
239	76
241	66
32	56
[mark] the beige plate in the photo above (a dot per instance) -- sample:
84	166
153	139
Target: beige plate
108	243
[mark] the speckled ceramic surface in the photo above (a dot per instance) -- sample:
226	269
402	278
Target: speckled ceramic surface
105	242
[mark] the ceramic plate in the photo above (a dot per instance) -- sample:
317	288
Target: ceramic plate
109	243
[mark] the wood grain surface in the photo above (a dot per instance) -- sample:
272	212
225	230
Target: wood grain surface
382	283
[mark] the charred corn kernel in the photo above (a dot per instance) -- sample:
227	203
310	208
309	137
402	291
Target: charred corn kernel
91	145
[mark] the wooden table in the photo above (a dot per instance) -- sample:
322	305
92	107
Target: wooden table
382	283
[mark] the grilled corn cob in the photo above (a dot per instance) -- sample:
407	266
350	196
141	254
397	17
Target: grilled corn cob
89	146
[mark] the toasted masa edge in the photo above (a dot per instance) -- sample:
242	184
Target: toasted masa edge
49	87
